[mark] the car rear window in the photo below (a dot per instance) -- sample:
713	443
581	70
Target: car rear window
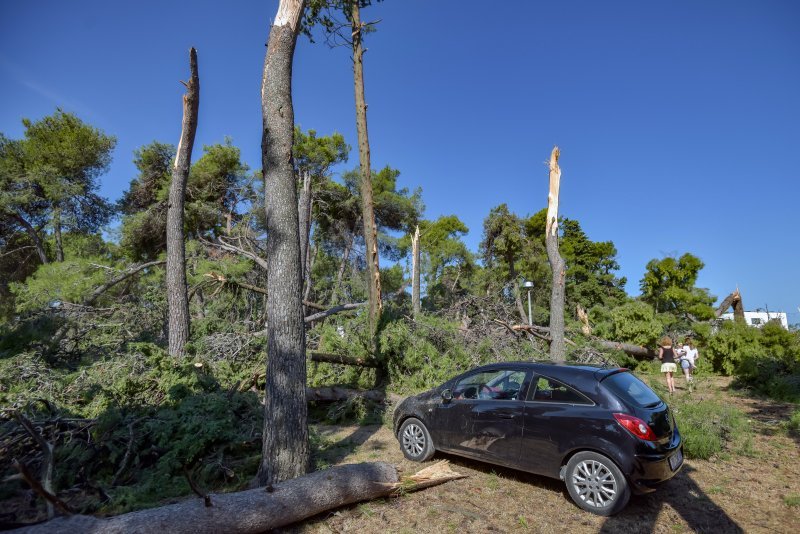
632	390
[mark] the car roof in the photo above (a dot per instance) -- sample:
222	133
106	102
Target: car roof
560	370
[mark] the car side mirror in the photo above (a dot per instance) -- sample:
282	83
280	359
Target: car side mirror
447	395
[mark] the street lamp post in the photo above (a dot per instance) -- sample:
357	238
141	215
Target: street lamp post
529	285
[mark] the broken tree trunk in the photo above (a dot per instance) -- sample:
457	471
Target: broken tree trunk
177	292
260	510
629	348
586	329
415	257
367	209
735	300
285	448
557	265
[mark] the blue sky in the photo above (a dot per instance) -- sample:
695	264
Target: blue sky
679	121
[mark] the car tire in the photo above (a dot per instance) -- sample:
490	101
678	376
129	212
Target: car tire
596	484
415	440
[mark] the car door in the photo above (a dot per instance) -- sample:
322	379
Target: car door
484	419
553	413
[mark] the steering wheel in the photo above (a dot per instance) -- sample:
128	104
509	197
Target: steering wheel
485	392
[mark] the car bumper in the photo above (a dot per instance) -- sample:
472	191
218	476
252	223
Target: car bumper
652	470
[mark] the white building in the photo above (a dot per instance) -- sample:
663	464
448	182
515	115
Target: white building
760	318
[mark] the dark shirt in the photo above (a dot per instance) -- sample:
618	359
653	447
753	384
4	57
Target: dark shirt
667	355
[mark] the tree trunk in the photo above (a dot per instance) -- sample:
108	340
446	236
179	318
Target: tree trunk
370	230
177	292
34	235
343	360
342	266
285	451
735	300
250	511
304	213
629	348
415	257
256	510
557	346
310	260
57	233
335	394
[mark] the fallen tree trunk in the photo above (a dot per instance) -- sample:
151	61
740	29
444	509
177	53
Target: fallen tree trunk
629	348
344	360
735	300
336	393
259	510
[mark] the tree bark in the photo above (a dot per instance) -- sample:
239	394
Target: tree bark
557	346
34	235
285	452
415	257
629	348
370	229
57	233
177	292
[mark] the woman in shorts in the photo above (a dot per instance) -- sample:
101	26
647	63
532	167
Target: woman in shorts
689	357
667	356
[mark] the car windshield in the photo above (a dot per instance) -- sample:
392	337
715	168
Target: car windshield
632	390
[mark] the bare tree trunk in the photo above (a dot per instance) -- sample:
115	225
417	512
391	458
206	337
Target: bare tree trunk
57	233
342	266
370	230
304	213
586	329
177	292
415	257
312	257
557	345
285	452
34	235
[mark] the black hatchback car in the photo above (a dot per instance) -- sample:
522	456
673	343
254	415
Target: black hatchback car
601	430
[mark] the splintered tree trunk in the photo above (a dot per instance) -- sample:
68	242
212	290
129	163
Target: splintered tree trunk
735	300
415	257
285	451
557	345
370	230
177	294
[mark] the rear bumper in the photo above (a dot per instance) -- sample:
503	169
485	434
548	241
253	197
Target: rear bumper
652	470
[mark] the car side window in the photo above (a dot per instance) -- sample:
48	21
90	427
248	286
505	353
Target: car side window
501	384
548	390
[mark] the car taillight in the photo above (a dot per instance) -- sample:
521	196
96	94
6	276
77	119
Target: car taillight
635	426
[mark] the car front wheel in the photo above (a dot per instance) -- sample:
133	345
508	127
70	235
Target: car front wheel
415	440
596	484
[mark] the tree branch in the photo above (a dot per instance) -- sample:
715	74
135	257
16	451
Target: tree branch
130	271
335	309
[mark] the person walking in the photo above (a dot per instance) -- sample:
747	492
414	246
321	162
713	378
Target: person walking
689	357
667	356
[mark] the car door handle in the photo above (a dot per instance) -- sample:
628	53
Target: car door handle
506	415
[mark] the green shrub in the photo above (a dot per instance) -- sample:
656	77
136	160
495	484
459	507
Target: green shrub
709	428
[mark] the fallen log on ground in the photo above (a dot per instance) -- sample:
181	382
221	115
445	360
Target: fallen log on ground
335	393
261	509
327	357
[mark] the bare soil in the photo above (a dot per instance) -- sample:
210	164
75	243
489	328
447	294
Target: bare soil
731	493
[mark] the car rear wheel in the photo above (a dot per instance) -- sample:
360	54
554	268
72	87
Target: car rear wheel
596	484
415	440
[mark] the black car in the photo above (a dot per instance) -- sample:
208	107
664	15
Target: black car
601	430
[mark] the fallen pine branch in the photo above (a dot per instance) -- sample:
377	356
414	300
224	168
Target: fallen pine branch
259	510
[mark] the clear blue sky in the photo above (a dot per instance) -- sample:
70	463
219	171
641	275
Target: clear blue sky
679	122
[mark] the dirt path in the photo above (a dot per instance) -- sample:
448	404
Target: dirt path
755	493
